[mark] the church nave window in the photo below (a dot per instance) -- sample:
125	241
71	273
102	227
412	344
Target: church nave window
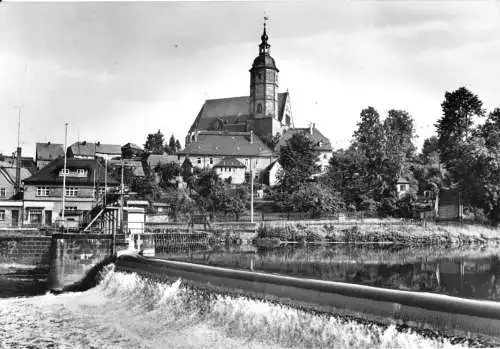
259	108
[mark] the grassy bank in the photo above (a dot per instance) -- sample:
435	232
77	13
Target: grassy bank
389	232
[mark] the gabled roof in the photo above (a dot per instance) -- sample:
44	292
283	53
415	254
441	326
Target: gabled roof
230	162
226	144
313	133
11	161
49	151
50	173
90	149
10	173
232	112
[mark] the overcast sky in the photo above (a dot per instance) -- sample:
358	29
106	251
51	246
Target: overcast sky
118	71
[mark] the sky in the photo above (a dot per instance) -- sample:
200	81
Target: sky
116	71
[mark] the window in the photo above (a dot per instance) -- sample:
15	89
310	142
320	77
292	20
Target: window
70	208
402	187
199	160
2	193
71	191
35	216
81	172
324	156
63	172
260	76
42	191
211	161
229	169
259	108
2	215
246	162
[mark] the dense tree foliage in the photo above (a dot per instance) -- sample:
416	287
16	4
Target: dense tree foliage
154	143
298	158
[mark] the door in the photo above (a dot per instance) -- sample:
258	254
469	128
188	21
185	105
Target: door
15	218
48	217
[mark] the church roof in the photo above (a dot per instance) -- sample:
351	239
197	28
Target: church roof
264	61
213	143
231	112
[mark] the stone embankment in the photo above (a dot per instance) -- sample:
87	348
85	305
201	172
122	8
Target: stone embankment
391	232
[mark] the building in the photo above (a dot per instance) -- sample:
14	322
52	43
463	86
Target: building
88	150
8	180
46	152
210	147
231	170
243	128
85	187
131	150
10	211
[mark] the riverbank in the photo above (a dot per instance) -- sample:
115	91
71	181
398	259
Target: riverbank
390	232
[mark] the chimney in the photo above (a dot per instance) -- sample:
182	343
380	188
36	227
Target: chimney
311	126
18	171
48	143
251	136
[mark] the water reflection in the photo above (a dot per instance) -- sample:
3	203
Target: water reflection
22	281
471	272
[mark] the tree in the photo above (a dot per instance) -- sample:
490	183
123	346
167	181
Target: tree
167	173
399	132
154	143
177	145
459	107
298	161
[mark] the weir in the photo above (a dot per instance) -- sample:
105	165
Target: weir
452	316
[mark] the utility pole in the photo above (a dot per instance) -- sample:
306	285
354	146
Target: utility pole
251	191
18	150
64	172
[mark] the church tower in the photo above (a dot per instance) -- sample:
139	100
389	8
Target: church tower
263	103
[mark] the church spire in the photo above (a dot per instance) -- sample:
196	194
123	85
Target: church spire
264	47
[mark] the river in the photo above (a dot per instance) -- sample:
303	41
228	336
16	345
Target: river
127	311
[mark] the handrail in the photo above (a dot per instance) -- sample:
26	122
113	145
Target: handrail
94	219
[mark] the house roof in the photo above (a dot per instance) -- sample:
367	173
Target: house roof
135	165
226	144
322	142
403	180
26	162
49	151
9	173
232	113
230	162
50	173
90	149
156	159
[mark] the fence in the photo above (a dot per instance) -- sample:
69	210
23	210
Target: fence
262	216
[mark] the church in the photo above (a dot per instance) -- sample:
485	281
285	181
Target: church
248	130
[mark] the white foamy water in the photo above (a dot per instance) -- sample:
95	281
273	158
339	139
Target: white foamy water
127	311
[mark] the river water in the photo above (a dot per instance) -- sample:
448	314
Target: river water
127	311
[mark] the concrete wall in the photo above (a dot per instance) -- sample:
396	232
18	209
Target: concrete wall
451	315
73	255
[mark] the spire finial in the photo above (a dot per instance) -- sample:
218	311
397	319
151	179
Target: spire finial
264	46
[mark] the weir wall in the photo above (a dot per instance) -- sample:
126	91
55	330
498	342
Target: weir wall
450	315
